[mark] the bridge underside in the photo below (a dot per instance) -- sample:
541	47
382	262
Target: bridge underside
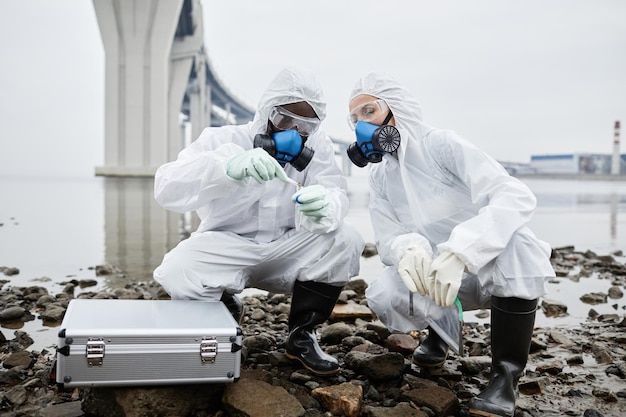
157	72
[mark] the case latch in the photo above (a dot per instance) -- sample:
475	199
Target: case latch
208	349
94	351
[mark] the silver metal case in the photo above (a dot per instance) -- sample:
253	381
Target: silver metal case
147	342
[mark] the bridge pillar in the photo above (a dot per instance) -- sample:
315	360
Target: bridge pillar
141	78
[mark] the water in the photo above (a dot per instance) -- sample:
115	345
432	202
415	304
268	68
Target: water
57	229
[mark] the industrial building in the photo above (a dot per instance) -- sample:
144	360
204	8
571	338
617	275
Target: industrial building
576	163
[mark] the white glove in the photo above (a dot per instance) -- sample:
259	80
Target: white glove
255	163
444	281
312	201
414	267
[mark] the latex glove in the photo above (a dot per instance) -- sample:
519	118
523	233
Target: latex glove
444	281
414	267
312	201
255	163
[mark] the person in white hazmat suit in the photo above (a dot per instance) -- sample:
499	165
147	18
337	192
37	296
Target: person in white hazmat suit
449	222
257	228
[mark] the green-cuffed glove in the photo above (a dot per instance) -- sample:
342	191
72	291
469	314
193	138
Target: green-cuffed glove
312	201
444	281
255	163
414	267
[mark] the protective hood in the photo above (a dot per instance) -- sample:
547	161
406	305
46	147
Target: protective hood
291	85
408	117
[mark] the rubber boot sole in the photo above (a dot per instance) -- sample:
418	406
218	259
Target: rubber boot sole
315	371
432	365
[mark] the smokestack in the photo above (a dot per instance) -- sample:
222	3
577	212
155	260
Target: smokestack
617	158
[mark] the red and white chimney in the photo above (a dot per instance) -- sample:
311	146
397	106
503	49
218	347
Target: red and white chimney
617	159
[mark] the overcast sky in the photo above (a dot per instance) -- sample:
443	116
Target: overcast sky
517	78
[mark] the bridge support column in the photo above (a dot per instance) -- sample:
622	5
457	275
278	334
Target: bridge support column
137	37
188	75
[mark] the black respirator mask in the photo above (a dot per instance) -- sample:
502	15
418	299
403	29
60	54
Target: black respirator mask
373	141
287	146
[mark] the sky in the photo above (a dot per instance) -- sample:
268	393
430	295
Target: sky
517	78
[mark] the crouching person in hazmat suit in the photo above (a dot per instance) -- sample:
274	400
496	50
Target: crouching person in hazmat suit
257	229
449	222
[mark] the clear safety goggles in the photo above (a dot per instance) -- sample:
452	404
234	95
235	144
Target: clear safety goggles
368	112
285	120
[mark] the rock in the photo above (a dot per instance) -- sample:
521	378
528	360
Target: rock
553	368
85	283
165	401
16	395
401	410
474	365
560	338
344	399
259	342
54	312
358	286
69	409
594	298
615	292
350	311
378	367
45	300
568	370
22	359
107	270
12	314
401	343
440	400
369	250
533	386
8	271
253	398
553	308
335	333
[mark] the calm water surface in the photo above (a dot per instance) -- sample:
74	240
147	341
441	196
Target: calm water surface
56	229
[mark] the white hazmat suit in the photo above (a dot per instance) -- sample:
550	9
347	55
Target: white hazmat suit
441	193
251	234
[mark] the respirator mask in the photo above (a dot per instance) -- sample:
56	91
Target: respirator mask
287	147
372	141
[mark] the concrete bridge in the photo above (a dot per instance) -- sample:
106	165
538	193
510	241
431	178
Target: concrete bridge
159	83
160	88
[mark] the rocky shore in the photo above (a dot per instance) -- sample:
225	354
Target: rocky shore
572	371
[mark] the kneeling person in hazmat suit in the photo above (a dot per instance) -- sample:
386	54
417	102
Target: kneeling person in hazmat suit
449	222
257	228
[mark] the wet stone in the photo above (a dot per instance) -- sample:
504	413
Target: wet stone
441	400
594	298
9	271
12	313
22	359
615	292
401	343
553	308
568	368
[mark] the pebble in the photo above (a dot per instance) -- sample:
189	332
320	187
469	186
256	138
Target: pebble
574	371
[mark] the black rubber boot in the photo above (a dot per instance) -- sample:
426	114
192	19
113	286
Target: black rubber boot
311	304
433	351
512	323
234	305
